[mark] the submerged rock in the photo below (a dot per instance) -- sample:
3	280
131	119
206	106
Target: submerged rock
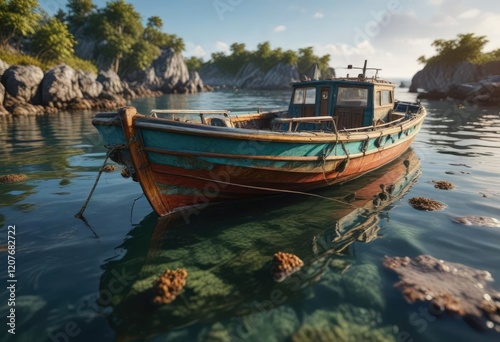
482	221
12	178
427	204
448	287
443	185
109	168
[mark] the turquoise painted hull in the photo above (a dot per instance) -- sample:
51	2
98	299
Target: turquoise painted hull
181	165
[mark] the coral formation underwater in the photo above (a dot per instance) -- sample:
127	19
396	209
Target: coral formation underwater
169	285
284	265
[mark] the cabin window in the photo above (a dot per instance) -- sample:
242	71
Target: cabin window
386	97
378	99
352	97
304	96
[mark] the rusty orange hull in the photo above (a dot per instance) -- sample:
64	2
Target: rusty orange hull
182	165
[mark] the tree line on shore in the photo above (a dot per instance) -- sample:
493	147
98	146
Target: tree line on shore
28	35
120	42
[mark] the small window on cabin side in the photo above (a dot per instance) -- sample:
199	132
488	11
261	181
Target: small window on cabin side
378	99
299	95
352	97
311	96
304	96
386	98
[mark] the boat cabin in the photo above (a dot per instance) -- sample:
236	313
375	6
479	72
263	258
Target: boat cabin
350	102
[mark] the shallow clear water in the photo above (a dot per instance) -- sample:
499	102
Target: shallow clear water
88	282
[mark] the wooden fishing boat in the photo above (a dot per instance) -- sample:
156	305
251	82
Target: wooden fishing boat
334	130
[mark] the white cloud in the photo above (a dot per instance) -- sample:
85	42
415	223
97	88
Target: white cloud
221	46
364	48
486	24
280	28
440	20
194	50
198	51
472	13
318	15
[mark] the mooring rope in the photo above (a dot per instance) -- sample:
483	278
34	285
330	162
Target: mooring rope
260	188
80	213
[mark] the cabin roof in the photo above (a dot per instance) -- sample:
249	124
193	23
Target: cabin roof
343	81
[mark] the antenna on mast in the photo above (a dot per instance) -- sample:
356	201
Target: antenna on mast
364	68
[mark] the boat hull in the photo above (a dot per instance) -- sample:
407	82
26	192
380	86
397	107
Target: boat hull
181	166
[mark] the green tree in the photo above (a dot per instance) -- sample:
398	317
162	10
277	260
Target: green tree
78	12
465	48
306	59
18	20
121	28
238	49
153	34
289	57
142	55
52	41
194	63
61	15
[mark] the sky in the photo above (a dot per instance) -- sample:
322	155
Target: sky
390	34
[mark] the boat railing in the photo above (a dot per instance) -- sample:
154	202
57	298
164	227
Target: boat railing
204	115
307	119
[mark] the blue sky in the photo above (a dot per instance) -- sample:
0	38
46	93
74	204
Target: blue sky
391	34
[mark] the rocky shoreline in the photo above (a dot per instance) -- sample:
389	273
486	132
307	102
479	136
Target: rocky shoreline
474	84
27	90
250	76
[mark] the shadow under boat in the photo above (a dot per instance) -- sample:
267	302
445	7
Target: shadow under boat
227	251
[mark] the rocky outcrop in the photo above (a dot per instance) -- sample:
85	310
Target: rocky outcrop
26	90
195	83
59	86
3	66
486	91
440	77
167	74
22	83
90	87
478	84
280	76
3	111
250	76
111	82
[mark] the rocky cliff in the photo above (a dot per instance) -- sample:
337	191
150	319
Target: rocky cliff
464	81
167	74
250	76
28	90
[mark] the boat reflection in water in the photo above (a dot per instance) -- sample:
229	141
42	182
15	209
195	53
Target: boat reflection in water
227	251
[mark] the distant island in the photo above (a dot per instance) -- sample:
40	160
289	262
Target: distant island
99	58
460	70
